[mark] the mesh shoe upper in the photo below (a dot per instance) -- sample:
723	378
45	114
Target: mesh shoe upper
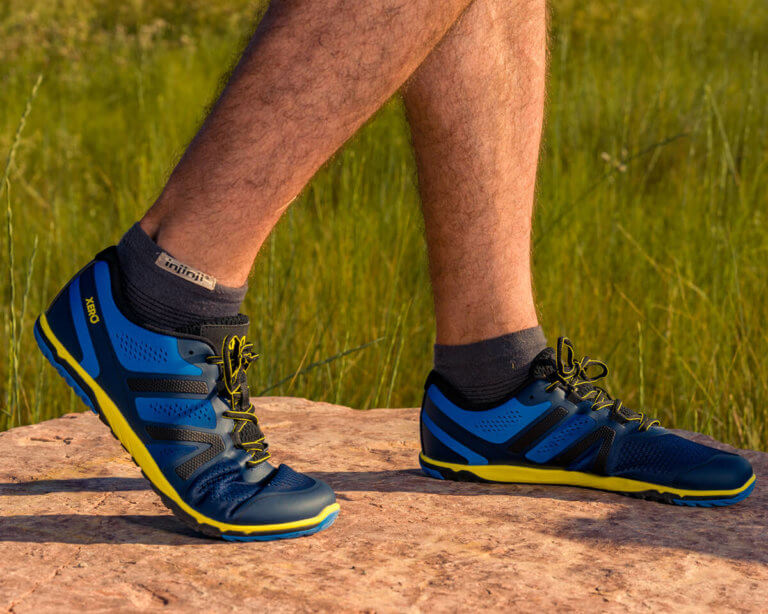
561	419
184	394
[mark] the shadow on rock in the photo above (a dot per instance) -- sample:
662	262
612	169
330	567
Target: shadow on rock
98	529
738	532
44	487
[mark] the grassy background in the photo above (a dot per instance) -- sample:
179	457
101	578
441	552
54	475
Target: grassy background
651	232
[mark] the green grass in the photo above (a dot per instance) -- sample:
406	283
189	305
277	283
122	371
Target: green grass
651	231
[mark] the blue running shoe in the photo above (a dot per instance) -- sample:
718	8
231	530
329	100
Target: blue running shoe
178	402
559	428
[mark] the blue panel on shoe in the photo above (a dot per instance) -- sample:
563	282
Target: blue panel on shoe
471	457
434	448
137	348
561	438
77	307
169	454
177	411
495	425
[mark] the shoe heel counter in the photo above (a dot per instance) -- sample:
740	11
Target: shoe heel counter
431	446
422	427
66	316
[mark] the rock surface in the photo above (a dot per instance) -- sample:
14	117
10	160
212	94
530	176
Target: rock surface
80	529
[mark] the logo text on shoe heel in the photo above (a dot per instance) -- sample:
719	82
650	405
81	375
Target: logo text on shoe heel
90	307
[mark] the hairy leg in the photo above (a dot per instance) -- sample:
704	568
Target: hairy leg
314	71
476	107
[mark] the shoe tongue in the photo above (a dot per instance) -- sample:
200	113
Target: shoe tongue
216	330
544	365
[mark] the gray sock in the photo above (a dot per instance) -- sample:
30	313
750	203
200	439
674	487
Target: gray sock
164	292
489	370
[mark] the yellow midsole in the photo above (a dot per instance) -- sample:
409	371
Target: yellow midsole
535	475
144	459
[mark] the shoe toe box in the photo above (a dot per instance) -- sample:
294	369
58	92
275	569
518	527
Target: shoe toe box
288	496
722	471
669	460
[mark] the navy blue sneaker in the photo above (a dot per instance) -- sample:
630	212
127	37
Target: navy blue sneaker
559	428
178	402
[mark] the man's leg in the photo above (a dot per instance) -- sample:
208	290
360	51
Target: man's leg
500	406
312	74
475	107
157	347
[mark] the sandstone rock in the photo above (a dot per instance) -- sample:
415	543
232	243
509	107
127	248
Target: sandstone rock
80	529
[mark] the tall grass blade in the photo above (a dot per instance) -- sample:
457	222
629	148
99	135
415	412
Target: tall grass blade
315	365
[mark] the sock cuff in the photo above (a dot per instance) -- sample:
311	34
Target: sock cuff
512	347
489	370
138	254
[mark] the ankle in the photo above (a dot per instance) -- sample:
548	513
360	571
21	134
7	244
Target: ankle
198	247
165	292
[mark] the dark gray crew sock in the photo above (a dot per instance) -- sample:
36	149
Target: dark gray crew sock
489	370
164	292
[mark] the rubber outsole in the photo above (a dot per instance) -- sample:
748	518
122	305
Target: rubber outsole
80	387
443	473
261	538
716	502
